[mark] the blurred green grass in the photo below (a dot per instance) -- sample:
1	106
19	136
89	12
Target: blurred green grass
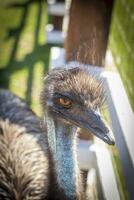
24	54
121	42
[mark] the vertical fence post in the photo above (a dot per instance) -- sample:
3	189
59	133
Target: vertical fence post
88	31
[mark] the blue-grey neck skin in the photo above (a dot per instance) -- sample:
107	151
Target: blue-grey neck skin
61	138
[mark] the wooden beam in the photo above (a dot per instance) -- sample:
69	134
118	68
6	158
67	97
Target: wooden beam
88	31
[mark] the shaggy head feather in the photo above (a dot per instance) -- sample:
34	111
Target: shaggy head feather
78	82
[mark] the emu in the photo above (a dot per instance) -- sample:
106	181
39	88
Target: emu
24	160
40	162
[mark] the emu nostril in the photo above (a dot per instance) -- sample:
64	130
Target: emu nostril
108	139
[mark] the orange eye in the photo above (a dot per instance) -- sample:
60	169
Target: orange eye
65	102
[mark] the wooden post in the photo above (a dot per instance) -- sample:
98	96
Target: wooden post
88	31
58	20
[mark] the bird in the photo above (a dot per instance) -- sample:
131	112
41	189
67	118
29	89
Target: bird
38	158
24	156
71	98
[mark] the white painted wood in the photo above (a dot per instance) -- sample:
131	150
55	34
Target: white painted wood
91	190
106	172
51	1
57	9
54	36
56	57
122	118
85	154
123	108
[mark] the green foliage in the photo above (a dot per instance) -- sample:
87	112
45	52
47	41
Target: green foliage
24	54
121	43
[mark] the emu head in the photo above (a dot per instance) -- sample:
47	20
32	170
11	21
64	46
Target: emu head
75	97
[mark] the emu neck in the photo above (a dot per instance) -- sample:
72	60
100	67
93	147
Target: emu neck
61	138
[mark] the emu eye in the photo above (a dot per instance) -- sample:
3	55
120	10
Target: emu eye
64	102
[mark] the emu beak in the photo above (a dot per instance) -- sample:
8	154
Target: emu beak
93	121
